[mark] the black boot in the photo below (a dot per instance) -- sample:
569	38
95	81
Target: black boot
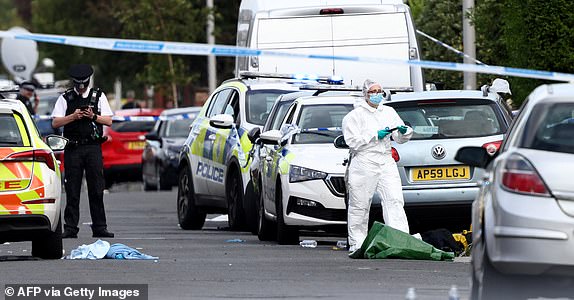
102	233
68	234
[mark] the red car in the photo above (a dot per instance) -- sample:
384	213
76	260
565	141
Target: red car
122	152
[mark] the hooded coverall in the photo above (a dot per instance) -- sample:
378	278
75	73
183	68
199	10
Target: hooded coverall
373	169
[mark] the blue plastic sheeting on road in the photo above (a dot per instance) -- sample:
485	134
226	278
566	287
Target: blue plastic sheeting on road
102	249
121	251
96	250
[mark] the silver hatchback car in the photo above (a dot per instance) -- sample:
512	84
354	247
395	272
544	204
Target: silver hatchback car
438	190
523	217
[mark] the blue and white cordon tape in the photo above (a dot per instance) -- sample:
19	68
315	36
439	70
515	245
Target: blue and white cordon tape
160	47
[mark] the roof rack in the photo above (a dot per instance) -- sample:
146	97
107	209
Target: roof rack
302	77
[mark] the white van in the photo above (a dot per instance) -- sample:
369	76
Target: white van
361	28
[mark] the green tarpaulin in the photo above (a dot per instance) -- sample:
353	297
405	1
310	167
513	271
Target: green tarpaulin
387	242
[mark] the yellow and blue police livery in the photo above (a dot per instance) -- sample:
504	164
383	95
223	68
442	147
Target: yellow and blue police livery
213	166
30	183
301	171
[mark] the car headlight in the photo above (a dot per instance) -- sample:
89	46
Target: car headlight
297	174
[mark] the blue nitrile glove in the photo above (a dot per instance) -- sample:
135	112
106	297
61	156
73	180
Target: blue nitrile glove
402	129
383	133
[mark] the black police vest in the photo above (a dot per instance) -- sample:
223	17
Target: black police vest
83	129
27	103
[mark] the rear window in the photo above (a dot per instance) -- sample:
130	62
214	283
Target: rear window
9	132
177	128
550	128
445	119
132	126
321	123
259	104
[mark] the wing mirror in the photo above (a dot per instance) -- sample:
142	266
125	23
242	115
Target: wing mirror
221	121
271	137
474	156
254	134
56	142
340	143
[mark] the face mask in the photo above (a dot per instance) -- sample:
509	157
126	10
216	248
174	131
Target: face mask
376	98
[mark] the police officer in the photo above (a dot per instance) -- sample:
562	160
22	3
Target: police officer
27	89
83	111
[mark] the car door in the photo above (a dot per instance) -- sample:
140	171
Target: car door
203	135
222	142
150	154
270	159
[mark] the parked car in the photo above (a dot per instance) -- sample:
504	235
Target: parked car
48	98
122	152
301	173
213	168
30	183
160	157
523	216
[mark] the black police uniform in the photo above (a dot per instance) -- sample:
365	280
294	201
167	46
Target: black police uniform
84	154
27	102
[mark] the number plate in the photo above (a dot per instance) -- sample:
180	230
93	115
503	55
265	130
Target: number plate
136	145
440	173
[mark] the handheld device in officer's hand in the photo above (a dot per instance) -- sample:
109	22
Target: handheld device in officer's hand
84	107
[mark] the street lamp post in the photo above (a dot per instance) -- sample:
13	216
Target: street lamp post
469	43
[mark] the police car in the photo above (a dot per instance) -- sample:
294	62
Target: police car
30	182
213	166
301	173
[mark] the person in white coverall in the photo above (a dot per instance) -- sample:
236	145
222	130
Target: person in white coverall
368	130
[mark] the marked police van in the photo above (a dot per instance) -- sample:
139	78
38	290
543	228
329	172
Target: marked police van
362	28
213	165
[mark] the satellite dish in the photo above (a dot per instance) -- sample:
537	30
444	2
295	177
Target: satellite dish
19	56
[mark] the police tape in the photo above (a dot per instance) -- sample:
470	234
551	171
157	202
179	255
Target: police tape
161	47
139	118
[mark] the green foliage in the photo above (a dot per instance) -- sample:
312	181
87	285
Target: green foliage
441	19
417	7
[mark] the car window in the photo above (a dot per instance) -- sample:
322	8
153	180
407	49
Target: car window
232	106
259	104
550	128
279	114
133	126
321	123
451	118
176	128
9	133
218	103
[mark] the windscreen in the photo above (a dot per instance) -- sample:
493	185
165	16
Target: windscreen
9	132
321	124
132	126
177	128
550	128
259	104
445	119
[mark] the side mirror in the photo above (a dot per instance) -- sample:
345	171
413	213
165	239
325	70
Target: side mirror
254	134
340	143
221	121
474	156
152	136
56	142
271	137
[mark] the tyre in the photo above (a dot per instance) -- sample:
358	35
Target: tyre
49	246
162	182
236	217
266	230
188	214
250	207
286	235
147	186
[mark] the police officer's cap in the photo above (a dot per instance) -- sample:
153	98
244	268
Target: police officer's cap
28	85
81	73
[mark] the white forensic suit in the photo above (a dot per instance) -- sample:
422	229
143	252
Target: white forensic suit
373	169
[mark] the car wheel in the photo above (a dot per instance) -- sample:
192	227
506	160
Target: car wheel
147	186
49	246
161	181
266	230
236	218
286	235
250	207
488	283
188	214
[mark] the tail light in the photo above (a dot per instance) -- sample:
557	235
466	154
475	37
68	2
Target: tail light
492	147
520	176
331	11
44	156
395	154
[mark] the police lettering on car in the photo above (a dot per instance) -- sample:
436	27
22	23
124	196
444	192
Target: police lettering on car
83	111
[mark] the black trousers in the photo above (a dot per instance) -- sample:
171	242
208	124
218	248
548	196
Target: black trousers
77	160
